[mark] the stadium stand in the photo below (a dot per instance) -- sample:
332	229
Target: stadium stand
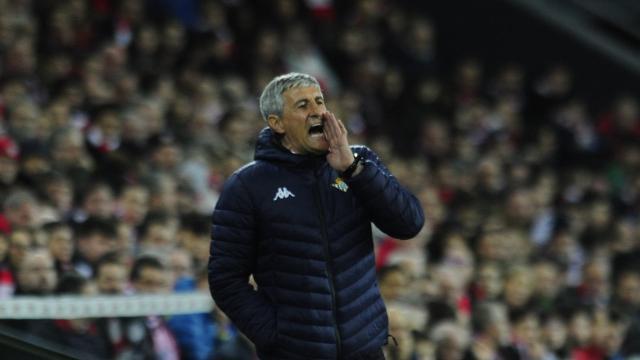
121	119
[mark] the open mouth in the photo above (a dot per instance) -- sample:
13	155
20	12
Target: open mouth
316	129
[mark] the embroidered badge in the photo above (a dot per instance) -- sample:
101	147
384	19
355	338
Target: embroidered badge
340	185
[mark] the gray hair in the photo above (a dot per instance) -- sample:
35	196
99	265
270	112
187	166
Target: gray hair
271	102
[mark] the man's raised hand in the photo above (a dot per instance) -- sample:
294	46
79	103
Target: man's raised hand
339	156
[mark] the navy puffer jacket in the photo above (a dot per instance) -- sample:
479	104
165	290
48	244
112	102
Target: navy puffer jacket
306	238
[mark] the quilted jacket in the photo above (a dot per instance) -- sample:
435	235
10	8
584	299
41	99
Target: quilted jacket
305	235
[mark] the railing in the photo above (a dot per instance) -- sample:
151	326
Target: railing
15	344
75	307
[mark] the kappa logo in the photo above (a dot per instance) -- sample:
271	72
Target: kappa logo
283	193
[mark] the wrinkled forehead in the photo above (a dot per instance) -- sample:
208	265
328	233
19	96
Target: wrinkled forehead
297	93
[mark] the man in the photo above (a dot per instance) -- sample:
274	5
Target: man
21	240
157	235
36	273
491	333
98	201
81	335
111	274
60	244
298	220
21	210
35	276
127	337
149	276
95	238
9	166
193	235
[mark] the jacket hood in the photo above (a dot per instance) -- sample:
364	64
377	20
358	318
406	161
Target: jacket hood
269	148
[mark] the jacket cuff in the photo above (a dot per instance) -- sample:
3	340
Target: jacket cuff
366	175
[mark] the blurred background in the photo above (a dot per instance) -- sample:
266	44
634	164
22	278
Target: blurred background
516	123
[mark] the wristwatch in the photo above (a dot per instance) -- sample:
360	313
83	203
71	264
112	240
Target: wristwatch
354	165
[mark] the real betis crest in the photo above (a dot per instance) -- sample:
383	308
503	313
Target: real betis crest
340	185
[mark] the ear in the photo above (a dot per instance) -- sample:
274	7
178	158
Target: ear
275	123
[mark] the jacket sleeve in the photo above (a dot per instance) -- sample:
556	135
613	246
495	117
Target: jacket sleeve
393	209
231	260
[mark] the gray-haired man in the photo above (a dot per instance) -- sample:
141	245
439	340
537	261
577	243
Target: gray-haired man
298	219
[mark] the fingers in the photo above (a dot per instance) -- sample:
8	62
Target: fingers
329	127
334	129
343	129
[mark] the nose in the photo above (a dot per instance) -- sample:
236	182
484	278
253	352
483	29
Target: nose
316	110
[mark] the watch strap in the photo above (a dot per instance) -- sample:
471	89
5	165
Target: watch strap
348	172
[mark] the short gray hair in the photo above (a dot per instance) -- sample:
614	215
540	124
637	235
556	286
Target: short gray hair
271	102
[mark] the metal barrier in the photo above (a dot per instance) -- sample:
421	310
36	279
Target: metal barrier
74	307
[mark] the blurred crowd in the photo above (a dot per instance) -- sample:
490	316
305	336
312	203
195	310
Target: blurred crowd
120	121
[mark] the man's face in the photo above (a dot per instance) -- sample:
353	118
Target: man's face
4	246
151	281
93	246
61	244
158	234
134	204
393	285
111	279
24	215
200	248
61	194
8	170
181	264
19	243
99	203
36	274
303	108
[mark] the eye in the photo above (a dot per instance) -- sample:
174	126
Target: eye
320	101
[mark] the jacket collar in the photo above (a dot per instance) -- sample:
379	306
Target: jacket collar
269	148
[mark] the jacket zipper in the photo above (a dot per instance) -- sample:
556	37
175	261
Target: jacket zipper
329	268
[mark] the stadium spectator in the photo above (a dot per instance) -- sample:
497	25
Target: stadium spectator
9	165
36	273
20	241
21	210
61	245
94	238
57	193
132	205
111	274
126	336
97	202
194	236
180	264
149	276
158	236
7	277
81	335
492	333
203	335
